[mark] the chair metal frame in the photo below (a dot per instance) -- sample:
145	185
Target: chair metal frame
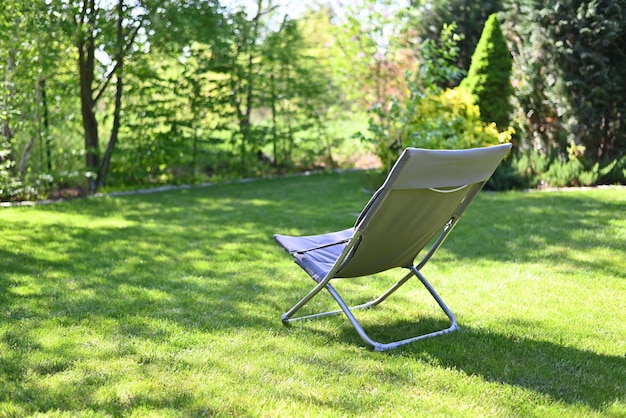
287	318
414	270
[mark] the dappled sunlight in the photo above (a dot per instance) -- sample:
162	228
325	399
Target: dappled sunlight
557	226
164	299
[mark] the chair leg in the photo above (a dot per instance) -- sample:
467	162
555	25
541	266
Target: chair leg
287	317
376	346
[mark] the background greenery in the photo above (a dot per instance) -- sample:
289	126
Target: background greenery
169	304
99	95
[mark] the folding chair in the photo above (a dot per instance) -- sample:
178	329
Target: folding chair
423	197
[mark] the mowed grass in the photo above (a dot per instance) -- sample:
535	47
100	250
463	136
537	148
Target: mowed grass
169	304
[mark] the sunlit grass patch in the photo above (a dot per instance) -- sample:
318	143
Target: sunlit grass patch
169	304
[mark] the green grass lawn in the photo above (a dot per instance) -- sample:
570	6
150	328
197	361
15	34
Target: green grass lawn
169	304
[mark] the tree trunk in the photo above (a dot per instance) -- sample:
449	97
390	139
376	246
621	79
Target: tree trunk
274	134
25	155
249	77
86	57
45	132
106	160
6	130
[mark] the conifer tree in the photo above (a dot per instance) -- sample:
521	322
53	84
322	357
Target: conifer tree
488	78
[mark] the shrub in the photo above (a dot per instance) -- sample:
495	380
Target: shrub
508	177
617	173
445	119
574	173
450	120
532	169
488	78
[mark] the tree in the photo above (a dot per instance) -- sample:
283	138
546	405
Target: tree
279	93
107	35
369	61
13	23
587	44
426	18
538	104
296	87
569	80
33	62
432	116
170	110
92	24
489	75
262	80
236	68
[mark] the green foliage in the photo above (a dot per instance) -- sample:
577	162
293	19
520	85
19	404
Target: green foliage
432	117
437	63
530	169
450	120
569	75
9	185
36	118
536	101
301	97
508	177
617	174
586	41
211	91
489	75
369	58
155	142
574	173
425	20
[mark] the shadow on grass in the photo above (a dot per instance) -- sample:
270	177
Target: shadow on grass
189	256
497	226
525	228
535	226
130	271
564	374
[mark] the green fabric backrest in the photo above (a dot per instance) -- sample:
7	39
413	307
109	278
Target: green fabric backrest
424	190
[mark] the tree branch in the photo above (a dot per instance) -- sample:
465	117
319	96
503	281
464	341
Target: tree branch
119	61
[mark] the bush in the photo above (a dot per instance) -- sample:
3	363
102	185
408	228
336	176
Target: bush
450	120
488	78
574	173
532	169
614	172
508	177
445	119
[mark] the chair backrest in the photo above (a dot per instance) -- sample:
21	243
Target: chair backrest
424	190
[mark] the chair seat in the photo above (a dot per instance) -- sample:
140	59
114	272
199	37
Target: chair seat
316	254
